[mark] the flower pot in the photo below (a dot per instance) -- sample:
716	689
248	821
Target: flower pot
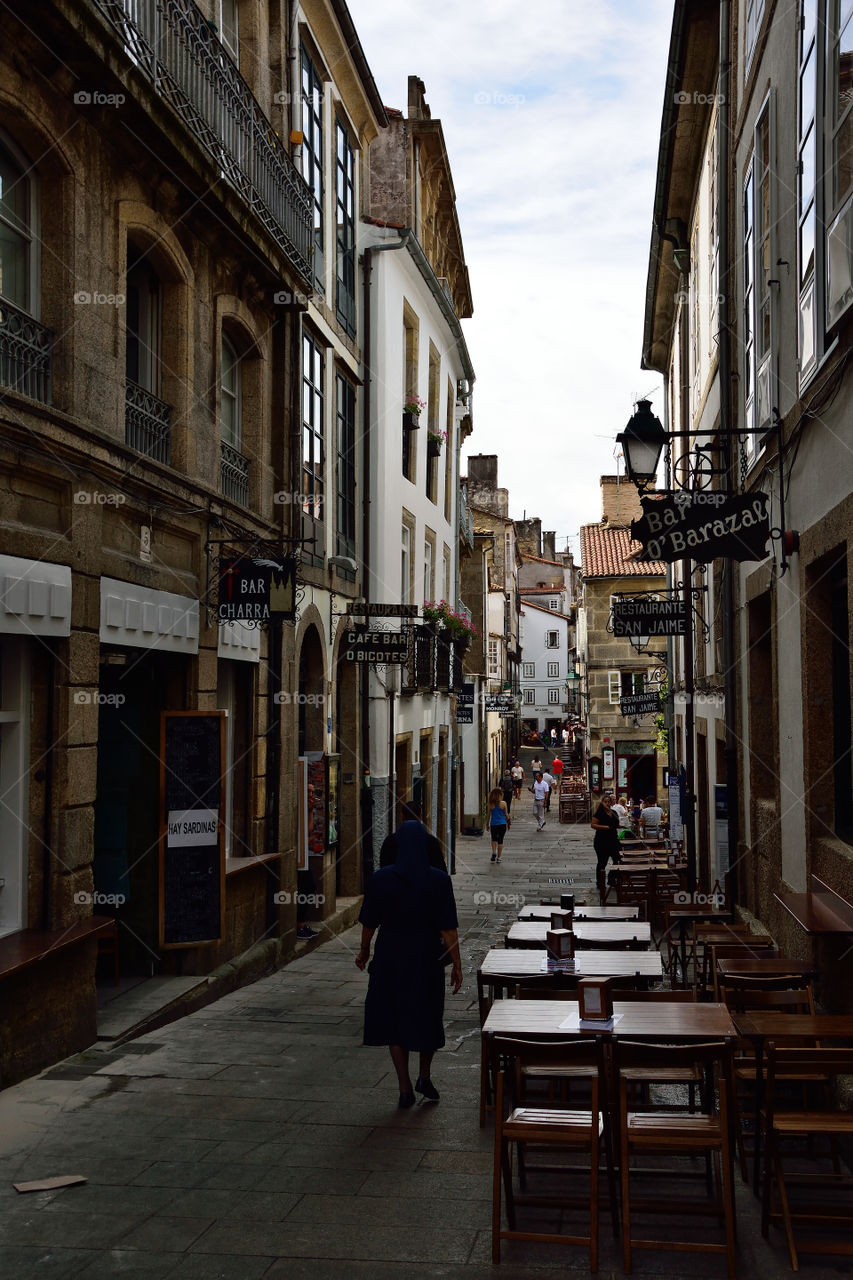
411	421
433	448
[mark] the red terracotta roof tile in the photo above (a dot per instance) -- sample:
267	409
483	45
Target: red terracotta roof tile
606	552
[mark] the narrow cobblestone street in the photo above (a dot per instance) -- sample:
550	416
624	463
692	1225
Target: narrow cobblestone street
258	1137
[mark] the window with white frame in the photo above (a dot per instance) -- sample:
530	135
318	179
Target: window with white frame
552	639
494	668
312	156
759	259
429	586
695	321
530	696
553	697
553	670
614	686
447	573
406	564
833	199
345	228
529	670
754	14
231	396
18	234
713	241
226	19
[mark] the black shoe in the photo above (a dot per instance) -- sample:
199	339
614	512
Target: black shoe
304	933
494	856
406	1100
428	1089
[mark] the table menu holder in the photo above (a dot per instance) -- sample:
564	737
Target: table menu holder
567	901
560	944
595	999
562	920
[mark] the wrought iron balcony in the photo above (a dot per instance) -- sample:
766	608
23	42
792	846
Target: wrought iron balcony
466	521
173	44
234	474
147	423
25	347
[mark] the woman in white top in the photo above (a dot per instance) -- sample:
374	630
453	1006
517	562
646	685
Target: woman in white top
621	807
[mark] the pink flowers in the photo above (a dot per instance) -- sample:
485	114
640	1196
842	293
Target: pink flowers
441	614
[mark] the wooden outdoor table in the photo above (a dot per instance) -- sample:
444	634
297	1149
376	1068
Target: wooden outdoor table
759	1026
531	933
667	1022
542	911
521	963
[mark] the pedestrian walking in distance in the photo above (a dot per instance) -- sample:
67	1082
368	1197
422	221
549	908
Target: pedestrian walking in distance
605	824
499	822
517	774
412	906
540	790
548	778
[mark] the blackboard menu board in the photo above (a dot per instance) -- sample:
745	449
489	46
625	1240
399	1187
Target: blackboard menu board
192	853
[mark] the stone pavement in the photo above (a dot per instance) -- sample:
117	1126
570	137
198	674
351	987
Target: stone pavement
258	1137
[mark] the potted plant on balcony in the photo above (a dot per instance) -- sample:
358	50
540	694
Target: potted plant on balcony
435	439
441	617
412	410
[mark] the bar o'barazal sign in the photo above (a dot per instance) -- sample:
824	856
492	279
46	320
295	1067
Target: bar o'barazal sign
703	526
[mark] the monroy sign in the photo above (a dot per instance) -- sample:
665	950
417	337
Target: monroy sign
703	526
644	616
255	589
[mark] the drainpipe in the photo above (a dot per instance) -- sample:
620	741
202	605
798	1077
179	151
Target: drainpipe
367	359
729	461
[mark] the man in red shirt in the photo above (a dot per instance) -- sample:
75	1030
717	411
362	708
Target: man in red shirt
557	768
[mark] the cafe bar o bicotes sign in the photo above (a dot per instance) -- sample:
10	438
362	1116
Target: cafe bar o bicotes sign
703	526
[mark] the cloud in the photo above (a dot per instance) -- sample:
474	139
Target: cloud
551	115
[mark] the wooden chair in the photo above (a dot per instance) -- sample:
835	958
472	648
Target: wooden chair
747	949
781	1123
667	887
791	994
703	935
632	890
488	990
524	1127
659	1132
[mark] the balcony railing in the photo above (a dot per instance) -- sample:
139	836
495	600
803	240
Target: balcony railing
466	521
25	347
147	423
172	42
234	474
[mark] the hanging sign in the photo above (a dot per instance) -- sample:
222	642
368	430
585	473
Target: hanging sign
255	589
702	526
644	616
640	704
361	609
502	702
376	646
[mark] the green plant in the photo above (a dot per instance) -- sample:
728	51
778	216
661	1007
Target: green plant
441	615
662	739
414	405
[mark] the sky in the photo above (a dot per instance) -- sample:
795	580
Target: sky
551	114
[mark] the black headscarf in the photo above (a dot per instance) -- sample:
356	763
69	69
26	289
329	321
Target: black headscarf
412	863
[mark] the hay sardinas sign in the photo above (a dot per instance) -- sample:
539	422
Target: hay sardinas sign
703	526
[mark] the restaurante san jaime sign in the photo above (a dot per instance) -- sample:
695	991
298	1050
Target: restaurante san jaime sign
702	526
646	616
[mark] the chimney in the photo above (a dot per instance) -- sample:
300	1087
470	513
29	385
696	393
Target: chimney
548	541
529	536
483	470
620	502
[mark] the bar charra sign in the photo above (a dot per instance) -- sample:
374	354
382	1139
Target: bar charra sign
256	588
702	526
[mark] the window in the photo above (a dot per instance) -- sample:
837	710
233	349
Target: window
312	154
809	147
529	670
313	448
449	459
143	350
553	604
407	568
553	697
530	696
17	239
225	17
836	201
759	260
553	670
231	397
713	241
447	570
614	686
494	669
754	14
345	229
695	321
552	639
429	581
410	387
345	415
626	684
432	421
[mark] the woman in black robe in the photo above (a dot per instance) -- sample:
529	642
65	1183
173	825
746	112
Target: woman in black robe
412	905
